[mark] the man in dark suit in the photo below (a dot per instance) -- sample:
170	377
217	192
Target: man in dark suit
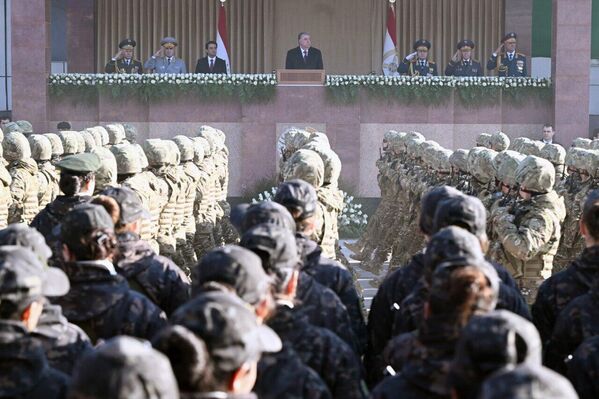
417	63
123	61
304	56
506	60
211	63
461	63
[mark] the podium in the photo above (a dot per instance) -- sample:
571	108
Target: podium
300	77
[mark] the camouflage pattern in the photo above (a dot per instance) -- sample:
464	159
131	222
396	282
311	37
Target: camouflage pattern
25	370
104	306
203	207
70	144
306	165
106	176
5	197
532	147
90	141
516	144
63	342
47	175
500	141
321	350
484	140
57	148
25	126
130	133
96	134
116	133
582	142
155	276
556	154
80	142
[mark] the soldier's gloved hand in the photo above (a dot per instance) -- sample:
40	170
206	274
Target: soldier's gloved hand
410	57
456	57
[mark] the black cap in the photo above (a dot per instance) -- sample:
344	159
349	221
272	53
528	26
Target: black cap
465	211
275	245
452	244
82	220
466	43
127	43
124	367
298	197
235	266
429	203
23	276
421	43
267	212
129	203
510	35
237	215
229	329
24	236
80	163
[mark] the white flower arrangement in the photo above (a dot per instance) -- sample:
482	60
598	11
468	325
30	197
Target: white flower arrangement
81	79
435	81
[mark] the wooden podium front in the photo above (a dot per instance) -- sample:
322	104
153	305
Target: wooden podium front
300	77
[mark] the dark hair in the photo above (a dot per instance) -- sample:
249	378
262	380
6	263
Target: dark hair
99	244
63	126
548	125
466	288
71	183
299	35
208	43
113	209
190	359
590	214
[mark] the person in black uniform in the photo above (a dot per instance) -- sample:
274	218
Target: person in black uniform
506	60
304	56
211	63
123	61
461	63
417	63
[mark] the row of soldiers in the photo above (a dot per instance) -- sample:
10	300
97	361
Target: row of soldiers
182	182
526	186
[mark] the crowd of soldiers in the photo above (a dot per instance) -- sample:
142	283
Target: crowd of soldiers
124	273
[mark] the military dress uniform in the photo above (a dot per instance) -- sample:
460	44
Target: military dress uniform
463	67
508	64
418	67
166	64
124	65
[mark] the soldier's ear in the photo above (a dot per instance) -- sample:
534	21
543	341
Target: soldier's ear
583	228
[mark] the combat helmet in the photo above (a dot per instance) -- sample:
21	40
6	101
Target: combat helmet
70	143
532	147
506	163
480	164
306	165
581	142
535	174
106	175
516	144
89	140
174	153
186	147
500	141
483	140
130	133
26	127
201	147
57	149
127	159
116	133
16	147
41	148
156	151
459	160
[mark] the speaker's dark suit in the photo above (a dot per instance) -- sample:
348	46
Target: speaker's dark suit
220	66
295	59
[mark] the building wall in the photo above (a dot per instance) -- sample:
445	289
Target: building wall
5	57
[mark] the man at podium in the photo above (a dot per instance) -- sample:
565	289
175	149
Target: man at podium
304	56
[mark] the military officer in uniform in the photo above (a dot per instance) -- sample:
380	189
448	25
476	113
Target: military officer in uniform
417	63
123	61
461	63
164	60
506	60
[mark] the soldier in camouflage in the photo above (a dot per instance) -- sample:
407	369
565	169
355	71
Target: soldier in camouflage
530	230
106	175
47	176
57	149
23	170
204	237
5	197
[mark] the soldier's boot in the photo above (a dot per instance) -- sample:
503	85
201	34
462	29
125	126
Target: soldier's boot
230	235
217	233
167	246
203	240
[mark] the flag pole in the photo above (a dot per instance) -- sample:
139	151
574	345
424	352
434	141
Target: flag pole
222	36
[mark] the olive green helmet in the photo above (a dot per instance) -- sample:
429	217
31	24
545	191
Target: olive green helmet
186	147
535	174
16	147
306	165
500	141
41	148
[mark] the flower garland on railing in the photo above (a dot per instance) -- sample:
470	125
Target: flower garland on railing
246	87
436	89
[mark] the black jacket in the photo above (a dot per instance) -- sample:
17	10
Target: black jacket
295	59
220	66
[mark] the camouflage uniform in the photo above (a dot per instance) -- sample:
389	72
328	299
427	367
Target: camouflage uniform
63	342
104	306
57	149
167	184
530	231
500	141
283	375
484	140
90	141
210	166
190	176
116	134
556	154
204	238
107	174
480	167
5	197
47	176
562	288
24	185
70	143
155	276
25	371
321	350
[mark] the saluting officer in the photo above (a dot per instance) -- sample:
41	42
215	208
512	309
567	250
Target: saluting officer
164	60
123	61
461	63
417	63
506	60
